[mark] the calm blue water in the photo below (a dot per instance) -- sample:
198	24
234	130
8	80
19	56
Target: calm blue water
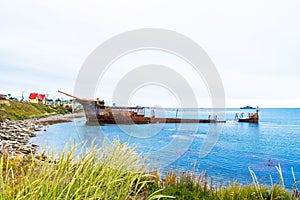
275	140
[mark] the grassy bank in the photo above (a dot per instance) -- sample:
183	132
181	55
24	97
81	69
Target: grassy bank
188	186
114	171
19	111
111	172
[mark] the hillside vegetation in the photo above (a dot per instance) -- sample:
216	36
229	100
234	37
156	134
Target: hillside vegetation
14	110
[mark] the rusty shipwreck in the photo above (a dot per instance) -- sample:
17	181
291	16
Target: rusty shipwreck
97	113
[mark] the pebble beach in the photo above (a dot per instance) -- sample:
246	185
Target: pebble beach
15	135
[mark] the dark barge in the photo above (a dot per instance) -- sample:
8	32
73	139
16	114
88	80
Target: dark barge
98	114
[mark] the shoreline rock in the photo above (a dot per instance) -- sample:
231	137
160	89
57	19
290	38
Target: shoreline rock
15	135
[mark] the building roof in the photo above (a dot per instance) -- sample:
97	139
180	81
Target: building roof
41	96
36	95
33	95
3	96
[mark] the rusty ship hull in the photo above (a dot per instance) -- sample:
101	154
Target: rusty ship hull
101	115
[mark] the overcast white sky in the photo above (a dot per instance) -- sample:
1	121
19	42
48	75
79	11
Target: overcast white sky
254	44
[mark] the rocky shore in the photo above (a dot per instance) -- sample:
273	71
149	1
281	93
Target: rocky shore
15	135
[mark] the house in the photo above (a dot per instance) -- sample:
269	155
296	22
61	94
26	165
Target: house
3	100
3	96
49	101
37	98
58	102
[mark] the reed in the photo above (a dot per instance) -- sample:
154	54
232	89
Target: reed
116	171
188	185
112	171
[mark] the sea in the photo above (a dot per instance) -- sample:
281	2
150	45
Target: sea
226	152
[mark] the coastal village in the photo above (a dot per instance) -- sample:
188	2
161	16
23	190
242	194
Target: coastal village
21	119
34	97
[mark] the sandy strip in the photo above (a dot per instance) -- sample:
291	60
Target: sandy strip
54	119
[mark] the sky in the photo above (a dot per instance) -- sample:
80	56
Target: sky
254	45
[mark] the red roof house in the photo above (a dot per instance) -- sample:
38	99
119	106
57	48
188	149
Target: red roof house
37	98
33	95
42	97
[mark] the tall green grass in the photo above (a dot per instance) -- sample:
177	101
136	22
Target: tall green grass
116	171
113	171
188	185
